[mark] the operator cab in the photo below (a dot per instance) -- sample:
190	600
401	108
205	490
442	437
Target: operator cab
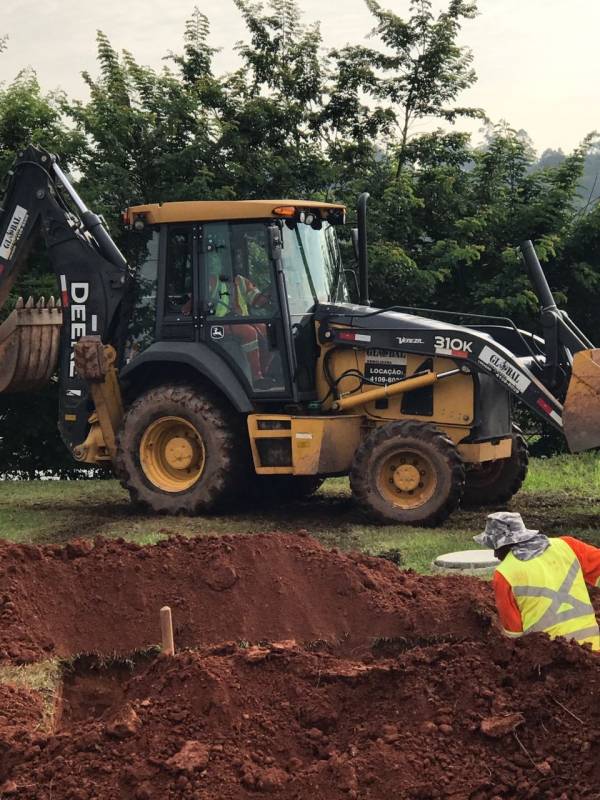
242	278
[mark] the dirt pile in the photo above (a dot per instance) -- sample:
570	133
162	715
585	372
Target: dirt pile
20	707
477	720
104	596
314	676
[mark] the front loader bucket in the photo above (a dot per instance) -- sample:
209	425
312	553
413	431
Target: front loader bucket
581	413
29	345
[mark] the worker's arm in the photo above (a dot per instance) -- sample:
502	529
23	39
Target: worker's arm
255	297
589	558
508	611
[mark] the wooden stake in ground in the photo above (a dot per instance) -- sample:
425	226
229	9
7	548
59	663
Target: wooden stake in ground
166	631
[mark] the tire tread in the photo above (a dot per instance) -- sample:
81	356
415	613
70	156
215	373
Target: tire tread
227	430
360	471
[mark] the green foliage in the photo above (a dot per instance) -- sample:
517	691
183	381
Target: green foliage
29	116
147	138
422	68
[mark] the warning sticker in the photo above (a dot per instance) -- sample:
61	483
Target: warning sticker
14	231
384	366
504	370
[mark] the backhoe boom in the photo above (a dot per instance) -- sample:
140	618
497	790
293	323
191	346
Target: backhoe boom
91	273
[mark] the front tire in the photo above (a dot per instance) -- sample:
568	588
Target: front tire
407	472
178	451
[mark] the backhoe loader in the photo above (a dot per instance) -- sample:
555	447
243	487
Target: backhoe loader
226	358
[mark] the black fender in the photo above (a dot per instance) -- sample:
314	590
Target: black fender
198	357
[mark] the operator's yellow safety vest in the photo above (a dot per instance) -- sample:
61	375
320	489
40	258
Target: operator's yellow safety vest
221	293
551	594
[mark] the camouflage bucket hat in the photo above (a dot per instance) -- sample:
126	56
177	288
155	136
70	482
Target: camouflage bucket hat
504	528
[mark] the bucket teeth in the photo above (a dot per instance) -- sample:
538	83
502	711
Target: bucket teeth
51	304
29	346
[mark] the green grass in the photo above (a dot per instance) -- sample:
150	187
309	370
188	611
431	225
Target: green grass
561	496
566	474
44	677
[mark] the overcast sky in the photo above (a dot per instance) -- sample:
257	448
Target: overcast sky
537	60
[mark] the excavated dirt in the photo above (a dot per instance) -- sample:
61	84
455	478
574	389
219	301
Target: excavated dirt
104	596
314	676
20	707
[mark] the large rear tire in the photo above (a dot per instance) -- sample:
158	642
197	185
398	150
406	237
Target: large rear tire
495	482
407	472
178	451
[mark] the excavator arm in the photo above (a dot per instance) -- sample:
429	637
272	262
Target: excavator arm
40	202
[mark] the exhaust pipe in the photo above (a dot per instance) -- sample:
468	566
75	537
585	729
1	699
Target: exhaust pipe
537	277
363	263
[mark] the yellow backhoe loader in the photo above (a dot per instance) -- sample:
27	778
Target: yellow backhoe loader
227	358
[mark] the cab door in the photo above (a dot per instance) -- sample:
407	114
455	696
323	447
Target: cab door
177	307
240	310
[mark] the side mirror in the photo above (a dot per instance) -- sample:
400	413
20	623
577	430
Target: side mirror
354	234
363	263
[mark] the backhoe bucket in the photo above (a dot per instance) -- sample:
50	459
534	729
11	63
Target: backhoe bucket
581	413
29	345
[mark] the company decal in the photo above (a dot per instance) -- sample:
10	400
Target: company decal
353	336
408	340
77	297
547	409
14	231
217	332
453	347
504	370
384	366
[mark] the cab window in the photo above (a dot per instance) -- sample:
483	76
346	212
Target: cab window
238	270
178	295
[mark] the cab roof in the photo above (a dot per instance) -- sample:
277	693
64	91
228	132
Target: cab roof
217	210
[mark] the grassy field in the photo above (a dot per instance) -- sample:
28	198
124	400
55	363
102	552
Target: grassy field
561	495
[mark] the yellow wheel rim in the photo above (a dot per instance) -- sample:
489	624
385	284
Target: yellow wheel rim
407	478
172	454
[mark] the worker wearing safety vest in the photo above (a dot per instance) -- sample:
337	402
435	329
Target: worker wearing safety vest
237	297
540	584
245	296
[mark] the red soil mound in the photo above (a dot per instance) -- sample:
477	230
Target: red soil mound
105	596
471	720
19	707
402	686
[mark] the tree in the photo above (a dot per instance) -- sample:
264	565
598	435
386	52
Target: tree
422	69
27	115
149	138
273	150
